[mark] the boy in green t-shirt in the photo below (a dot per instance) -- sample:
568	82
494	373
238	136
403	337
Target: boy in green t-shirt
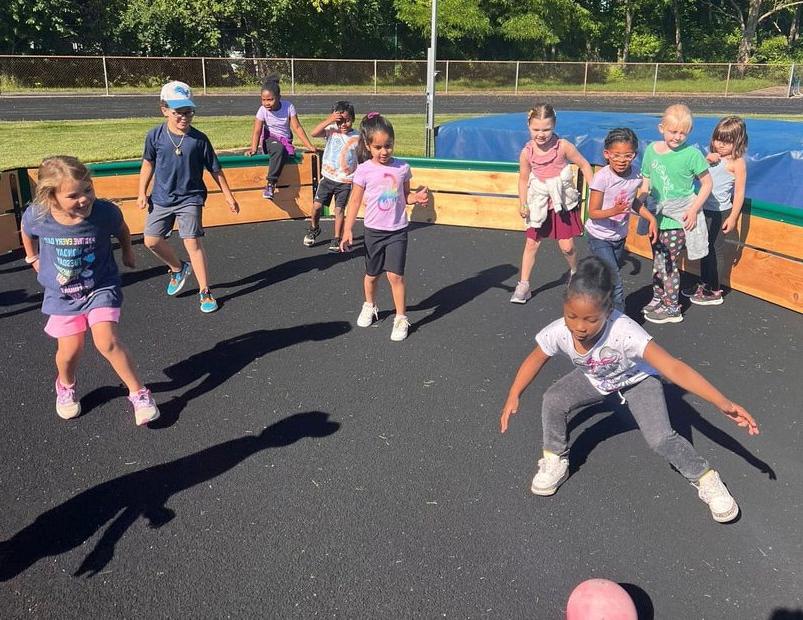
669	168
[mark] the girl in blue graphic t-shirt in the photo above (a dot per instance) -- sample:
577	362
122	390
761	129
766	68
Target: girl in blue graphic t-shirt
67	237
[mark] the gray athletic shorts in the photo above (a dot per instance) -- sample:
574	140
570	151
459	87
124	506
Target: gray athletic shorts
160	221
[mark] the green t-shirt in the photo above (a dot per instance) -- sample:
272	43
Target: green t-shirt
667	223
672	175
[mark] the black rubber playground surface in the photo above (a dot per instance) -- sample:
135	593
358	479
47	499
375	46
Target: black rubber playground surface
306	467
82	107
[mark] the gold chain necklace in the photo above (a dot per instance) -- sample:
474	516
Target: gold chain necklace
180	142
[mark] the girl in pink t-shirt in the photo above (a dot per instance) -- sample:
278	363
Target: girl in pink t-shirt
274	125
383	184
548	200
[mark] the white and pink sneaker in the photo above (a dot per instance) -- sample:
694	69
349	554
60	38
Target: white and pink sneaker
67	405
145	409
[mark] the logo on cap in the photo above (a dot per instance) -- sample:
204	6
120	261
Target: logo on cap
177	95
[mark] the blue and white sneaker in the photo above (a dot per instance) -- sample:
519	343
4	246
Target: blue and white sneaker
208	303
178	278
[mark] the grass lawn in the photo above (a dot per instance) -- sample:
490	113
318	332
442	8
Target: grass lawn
26	143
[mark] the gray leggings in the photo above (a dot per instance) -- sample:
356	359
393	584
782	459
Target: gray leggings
648	406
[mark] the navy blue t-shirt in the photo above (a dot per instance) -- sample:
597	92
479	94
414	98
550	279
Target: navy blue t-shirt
76	263
178	179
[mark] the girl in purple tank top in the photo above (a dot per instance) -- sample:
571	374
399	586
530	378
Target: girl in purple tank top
547	197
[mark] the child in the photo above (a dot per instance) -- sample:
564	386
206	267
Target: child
669	168
613	190
175	156
612	354
275	123
67	234
384	183
337	168
547	194
724	205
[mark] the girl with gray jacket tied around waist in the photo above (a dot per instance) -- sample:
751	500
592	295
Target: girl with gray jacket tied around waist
669	169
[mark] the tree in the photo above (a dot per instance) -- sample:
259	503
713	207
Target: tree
457	19
749	15
678	39
546	23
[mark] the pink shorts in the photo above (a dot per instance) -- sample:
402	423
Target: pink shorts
61	326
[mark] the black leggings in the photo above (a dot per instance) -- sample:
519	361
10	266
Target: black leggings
712	266
278	154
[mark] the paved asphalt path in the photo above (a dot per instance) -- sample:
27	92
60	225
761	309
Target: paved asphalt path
123	106
305	467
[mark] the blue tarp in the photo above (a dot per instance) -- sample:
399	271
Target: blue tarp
774	156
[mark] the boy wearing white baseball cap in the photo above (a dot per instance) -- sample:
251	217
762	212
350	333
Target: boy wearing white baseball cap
175	157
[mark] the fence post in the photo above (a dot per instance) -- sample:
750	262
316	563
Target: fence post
203	72
375	75
791	80
446	92
585	79
292	76
728	79
516	86
655	80
105	76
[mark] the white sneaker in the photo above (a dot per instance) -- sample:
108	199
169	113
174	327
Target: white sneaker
521	294
368	315
400	327
552	472
713	492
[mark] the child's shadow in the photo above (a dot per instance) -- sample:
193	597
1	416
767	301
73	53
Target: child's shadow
216	365
282	272
682	416
455	295
143	493
228	357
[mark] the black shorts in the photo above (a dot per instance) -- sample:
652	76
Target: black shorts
328	188
385	250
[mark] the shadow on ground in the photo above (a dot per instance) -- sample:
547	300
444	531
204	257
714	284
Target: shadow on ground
215	366
682	416
142	494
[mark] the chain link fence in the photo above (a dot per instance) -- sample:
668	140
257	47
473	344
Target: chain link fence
117	75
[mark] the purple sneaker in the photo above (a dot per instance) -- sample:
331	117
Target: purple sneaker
704	297
268	192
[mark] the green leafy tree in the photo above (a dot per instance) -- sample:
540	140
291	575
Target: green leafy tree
545	24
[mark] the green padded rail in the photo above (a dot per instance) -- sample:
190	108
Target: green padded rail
131	166
778	213
461	164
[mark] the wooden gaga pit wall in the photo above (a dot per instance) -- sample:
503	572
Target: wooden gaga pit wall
765	252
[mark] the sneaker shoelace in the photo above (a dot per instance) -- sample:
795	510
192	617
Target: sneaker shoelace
143	397
714	490
65	395
206	296
548	466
